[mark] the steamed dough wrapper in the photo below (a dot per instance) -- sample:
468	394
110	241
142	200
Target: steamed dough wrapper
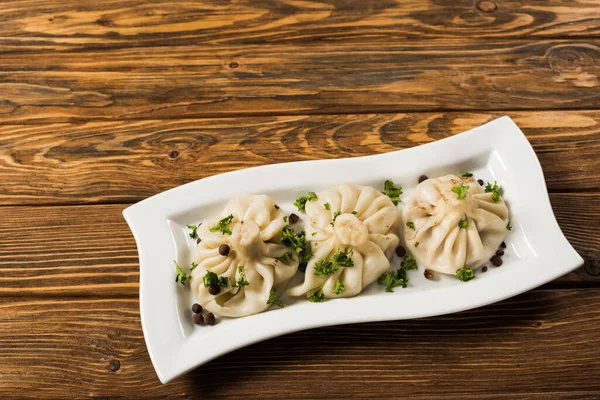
435	210
363	231
254	244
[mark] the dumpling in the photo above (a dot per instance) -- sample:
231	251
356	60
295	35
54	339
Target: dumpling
350	230
245	273
451	223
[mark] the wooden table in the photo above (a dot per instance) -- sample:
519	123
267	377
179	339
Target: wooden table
104	103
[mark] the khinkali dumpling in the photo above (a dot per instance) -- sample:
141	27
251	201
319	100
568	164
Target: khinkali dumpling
251	267
451	223
350	230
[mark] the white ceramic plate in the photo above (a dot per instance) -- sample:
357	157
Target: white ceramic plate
537	251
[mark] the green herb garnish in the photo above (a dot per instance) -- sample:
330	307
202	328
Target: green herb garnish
297	242
339	287
223	225
466	174
392	279
409	263
335	215
194	265
181	277
331	265
223	281
465	275
193	234
314	233
327	206
509	226
393	192
285	219
416	244
286	257
463	223
317	297
354	212
301	201
461	191
411	225
242	279
274	299
210	279
494	190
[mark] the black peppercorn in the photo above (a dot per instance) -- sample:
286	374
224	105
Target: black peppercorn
198	319
293	218
503	245
429	274
400	251
500	252
423	178
276	207
483	269
209	318
496	261
196	308
224	249
214	290
480	181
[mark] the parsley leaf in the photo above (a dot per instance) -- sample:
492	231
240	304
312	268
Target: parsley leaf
181	277
392	279
339	287
461	191
223	225
194	265
286	257
509	226
393	192
416	244
335	215
327	206
466	174
317	297
314	233
193	233
301	201
354	212
465	275
297	242
463	223
331	265
210	279
411	225
242	279
223	281
408	263
274	299
495	190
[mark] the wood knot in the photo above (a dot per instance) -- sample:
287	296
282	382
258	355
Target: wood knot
114	365
565	60
487	6
174	154
234	65
104	21
592	267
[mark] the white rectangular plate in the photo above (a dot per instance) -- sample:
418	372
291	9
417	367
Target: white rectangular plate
537	250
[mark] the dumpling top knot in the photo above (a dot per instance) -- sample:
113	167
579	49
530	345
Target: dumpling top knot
451	223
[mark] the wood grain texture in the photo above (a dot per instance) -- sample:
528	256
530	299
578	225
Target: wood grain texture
89	251
543	344
207	81
39	24
126	161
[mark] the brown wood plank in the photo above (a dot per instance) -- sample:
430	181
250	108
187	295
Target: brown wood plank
126	161
89	251
543	344
38	24
205	81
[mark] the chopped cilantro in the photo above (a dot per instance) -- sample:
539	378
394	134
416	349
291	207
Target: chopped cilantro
313	234
461	191
354	212
416	244
286	257
210	279
408	263
223	281
331	265
463	223
301	201
335	215
285	219
274	299
193	234
392	191
411	225
339	287
297	242
242	279
466	174
392	279
509	226
464	275
327	206
223	225
494	190
317	297
194	265
181	277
